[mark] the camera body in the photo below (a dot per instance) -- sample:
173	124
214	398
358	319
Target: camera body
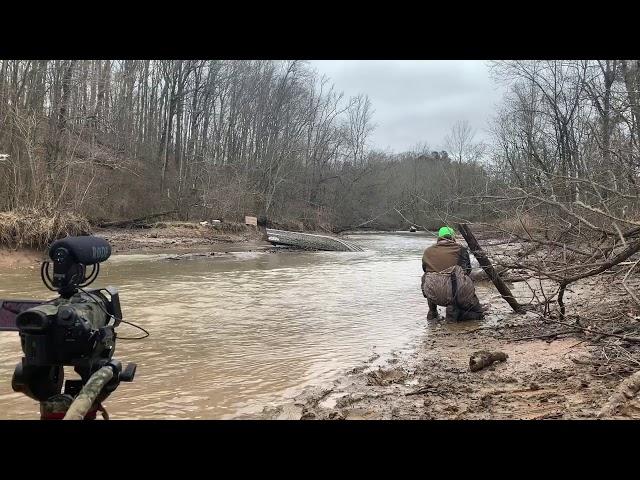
73	331
76	329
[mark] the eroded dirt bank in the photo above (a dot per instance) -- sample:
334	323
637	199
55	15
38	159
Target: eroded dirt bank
10	258
552	371
180	238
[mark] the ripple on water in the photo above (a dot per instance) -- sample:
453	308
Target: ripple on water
235	335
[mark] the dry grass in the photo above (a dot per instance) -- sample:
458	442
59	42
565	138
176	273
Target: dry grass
37	228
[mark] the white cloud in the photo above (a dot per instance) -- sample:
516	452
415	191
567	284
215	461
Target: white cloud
417	101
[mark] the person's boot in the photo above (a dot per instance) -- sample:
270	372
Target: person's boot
452	314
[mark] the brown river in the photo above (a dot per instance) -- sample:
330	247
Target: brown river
233	334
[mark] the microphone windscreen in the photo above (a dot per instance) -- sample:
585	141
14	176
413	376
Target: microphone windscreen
87	250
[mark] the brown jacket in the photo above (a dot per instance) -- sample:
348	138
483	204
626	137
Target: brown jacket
445	254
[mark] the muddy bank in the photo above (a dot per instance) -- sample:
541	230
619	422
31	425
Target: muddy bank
10	258
180	238
177	239
552	371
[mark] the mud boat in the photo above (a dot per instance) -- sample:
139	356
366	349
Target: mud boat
309	241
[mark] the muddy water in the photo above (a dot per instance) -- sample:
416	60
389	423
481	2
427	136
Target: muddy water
234	333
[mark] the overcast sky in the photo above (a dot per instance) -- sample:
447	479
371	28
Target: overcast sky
417	101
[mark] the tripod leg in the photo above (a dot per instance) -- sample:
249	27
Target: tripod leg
55	408
103	411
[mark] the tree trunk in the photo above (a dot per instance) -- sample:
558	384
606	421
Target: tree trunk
486	265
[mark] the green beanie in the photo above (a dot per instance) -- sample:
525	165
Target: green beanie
446	232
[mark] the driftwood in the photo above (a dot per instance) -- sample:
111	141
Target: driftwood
482	359
594	331
625	392
619	258
544	336
124	223
486	265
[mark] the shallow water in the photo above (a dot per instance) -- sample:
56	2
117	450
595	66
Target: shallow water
232	334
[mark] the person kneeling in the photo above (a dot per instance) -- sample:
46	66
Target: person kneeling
446	280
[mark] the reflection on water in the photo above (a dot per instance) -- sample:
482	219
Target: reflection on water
232	334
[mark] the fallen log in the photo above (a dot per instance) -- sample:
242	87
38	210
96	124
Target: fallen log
124	223
486	265
482	359
625	392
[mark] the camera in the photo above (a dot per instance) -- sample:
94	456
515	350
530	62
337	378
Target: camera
76	329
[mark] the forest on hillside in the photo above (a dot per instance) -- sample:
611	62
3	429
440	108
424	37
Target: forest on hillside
208	139
108	139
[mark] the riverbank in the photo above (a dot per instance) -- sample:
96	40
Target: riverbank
182	237
10	258
162	237
552	371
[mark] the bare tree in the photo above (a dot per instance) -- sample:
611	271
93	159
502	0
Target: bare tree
358	127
